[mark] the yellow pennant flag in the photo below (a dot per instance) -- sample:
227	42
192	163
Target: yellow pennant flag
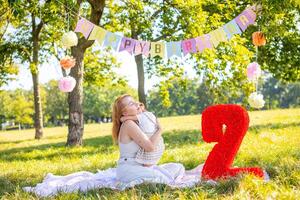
218	36
98	34
157	49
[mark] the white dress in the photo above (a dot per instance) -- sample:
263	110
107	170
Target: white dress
128	173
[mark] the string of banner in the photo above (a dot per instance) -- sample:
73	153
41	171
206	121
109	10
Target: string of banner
162	49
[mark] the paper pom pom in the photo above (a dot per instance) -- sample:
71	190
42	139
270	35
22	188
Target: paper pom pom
69	39
256	100
67	84
67	62
258	39
253	71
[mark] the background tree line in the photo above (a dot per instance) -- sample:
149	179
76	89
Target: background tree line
190	97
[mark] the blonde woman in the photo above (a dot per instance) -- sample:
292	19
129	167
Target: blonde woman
130	139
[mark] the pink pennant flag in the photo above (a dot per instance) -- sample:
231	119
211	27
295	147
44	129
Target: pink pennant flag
142	47
246	18
203	42
127	44
188	46
84	26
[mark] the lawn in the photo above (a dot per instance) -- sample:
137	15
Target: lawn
272	142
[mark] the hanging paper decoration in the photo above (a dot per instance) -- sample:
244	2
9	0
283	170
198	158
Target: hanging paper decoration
256	100
112	40
219	161
157	49
253	71
173	48
84	26
218	36
258	39
127	44
231	28
203	42
67	62
193	45
189	46
69	39
66	84
142	47
98	34
246	18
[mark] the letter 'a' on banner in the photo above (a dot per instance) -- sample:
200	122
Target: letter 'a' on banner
157	49
98	34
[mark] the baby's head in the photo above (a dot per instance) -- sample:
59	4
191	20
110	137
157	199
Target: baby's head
142	107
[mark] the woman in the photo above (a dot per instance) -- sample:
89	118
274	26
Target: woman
130	138
128	172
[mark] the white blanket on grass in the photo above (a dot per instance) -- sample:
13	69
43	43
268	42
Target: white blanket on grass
84	181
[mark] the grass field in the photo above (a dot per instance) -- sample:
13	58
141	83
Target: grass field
272	142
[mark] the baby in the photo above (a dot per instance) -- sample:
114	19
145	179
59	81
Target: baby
149	125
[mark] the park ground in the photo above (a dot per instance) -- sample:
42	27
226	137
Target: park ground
272	142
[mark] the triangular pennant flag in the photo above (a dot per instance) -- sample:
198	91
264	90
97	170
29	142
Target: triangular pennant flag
142	47
231	28
98	34
127	44
157	49
84	26
173	48
203	42
218	36
112	40
246	18
188	46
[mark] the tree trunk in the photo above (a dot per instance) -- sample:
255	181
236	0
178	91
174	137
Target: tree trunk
141	79
75	99
38	116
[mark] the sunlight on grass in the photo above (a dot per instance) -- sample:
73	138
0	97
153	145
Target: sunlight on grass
272	142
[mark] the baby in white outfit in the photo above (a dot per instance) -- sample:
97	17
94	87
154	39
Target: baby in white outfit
148	124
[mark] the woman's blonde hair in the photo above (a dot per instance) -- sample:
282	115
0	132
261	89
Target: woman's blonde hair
116	115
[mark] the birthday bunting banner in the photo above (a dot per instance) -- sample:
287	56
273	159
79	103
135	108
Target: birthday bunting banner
167	49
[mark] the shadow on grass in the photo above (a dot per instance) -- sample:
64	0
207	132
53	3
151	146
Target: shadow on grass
104	144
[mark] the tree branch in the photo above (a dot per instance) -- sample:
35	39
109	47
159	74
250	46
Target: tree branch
169	34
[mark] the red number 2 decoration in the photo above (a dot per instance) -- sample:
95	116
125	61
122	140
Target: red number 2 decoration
219	161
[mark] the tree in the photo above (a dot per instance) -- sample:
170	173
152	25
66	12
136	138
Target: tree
75	99
7	66
28	41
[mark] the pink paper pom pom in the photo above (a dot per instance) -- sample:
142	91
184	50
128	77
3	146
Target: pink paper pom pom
67	84
253	71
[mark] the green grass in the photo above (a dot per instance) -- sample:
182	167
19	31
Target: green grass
272	142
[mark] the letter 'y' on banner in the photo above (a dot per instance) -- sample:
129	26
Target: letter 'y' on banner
142	47
173	48
157	49
246	18
112	40
84	26
127	44
98	34
218	36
